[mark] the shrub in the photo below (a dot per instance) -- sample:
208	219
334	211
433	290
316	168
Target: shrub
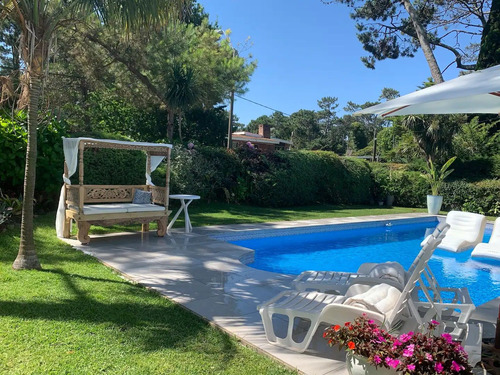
408	187
481	197
13	142
209	172
291	178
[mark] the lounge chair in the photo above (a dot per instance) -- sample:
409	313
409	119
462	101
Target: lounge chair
492	248
383	303
446	302
466	231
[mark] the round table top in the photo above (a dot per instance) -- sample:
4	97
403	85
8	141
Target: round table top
184	196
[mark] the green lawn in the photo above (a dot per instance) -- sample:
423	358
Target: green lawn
79	317
202	214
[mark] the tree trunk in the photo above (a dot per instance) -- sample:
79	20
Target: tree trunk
26	257
170	125
424	43
179	124
489	55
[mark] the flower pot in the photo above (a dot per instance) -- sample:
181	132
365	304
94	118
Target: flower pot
358	365
389	200
434	203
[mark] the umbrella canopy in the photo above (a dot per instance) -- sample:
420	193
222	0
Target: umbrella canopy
478	92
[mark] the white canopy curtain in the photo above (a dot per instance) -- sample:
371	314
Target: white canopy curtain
477	92
71	146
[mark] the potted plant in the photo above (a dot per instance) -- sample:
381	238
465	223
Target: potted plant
371	349
435	178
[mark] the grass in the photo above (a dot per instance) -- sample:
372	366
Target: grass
202	214
79	317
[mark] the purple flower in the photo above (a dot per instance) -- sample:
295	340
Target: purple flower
377	359
410	367
250	145
455	366
447	337
190	145
438	367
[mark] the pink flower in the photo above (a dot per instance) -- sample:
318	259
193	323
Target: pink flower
455	366
405	337
396	343
447	337
410	367
434	322
408	352
377	359
438	367
380	338
428	357
371	321
392	362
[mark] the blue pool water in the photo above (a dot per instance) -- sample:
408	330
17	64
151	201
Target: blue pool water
345	250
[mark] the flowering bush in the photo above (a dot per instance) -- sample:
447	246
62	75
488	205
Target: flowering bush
410	353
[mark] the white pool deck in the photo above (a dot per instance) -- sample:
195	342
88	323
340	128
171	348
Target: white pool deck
208	277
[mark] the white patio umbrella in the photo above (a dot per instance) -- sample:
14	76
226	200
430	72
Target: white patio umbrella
478	92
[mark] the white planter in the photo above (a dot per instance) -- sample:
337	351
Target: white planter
434	203
358	365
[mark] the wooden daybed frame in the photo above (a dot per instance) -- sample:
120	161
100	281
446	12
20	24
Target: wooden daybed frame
112	204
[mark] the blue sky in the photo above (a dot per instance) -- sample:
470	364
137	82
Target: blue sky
306	50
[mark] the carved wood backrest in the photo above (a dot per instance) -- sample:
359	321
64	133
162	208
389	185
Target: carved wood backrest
112	194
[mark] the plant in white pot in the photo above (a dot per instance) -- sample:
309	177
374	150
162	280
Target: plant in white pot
435	177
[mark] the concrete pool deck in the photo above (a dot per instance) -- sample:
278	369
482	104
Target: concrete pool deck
208	277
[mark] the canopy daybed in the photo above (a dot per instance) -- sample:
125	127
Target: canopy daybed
111	204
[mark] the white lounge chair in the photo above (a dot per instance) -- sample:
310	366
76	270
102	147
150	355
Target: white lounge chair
453	306
391	273
383	303
466	231
492	248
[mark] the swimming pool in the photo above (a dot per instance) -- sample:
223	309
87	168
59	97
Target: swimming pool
345	247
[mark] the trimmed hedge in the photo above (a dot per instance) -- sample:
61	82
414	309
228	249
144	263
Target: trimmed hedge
410	190
281	179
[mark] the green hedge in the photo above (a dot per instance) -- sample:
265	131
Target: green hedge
410	190
482	197
276	180
13	142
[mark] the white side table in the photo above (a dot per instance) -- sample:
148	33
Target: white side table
184	206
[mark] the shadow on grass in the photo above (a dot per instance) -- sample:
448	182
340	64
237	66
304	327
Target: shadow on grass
73	287
147	320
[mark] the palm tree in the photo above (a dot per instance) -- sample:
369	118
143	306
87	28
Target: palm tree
39	21
182	93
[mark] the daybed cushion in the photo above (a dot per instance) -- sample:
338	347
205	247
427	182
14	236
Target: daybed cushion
132	207
94	209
